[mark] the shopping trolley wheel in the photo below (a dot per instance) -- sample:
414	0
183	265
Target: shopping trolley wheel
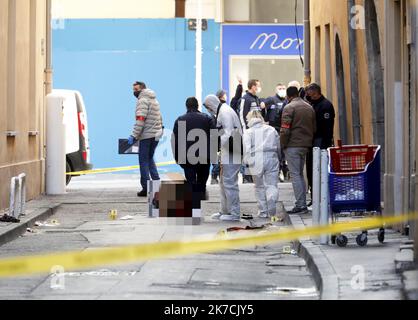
381	235
334	239
342	241
362	239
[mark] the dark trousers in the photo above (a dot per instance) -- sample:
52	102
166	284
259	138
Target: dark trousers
197	176
216	170
147	164
309	168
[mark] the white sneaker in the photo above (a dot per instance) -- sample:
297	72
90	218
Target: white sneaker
230	217
217	216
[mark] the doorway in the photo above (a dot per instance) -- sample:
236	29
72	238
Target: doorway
342	105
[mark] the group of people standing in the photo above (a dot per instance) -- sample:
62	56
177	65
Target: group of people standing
256	137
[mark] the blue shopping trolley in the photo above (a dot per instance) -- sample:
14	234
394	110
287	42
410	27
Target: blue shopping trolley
355	186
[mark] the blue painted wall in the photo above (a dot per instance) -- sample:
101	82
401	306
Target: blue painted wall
102	58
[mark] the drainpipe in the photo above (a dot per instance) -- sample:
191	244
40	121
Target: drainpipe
307	38
355	104
48	69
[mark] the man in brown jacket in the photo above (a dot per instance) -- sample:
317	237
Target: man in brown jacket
296	137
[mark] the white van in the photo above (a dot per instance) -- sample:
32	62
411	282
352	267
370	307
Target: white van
77	146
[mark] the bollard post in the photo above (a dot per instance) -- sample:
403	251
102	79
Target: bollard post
316	186
21	195
316	189
153	189
55	145
13	195
324	214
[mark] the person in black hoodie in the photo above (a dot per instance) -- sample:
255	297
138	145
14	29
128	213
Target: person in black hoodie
325	119
197	175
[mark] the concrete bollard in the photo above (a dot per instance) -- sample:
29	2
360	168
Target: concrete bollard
17	205
324	214
21	195
13	198
316	186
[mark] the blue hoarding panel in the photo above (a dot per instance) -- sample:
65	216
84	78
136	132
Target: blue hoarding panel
102	58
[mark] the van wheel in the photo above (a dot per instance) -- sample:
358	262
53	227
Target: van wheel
67	177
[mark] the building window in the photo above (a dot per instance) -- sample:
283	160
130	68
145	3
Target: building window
263	11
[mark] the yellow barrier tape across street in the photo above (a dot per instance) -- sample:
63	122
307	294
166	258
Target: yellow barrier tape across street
119	169
12	267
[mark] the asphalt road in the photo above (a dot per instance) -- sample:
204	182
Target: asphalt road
255	273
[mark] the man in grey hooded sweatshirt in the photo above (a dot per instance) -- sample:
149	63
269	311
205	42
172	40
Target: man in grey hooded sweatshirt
148	130
230	128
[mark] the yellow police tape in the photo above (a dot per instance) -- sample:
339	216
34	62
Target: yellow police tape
110	170
18	266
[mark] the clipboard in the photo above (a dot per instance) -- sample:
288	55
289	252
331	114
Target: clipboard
126	149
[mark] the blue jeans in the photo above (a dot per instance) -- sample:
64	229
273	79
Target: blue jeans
216	170
146	161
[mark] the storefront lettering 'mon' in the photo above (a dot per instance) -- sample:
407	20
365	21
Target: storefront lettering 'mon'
275	42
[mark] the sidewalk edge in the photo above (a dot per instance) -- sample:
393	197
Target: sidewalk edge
324	275
14	231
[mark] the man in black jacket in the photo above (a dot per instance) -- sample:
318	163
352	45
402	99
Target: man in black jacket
273	107
325	119
272	112
197	164
250	101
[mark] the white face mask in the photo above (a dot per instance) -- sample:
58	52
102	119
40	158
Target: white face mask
259	90
281	93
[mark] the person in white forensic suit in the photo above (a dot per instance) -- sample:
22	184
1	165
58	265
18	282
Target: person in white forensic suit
230	132
262	159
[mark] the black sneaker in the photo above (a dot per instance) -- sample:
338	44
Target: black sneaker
142	194
247	216
298	211
7	218
247	180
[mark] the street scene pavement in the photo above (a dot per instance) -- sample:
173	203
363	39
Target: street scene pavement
302	270
82	222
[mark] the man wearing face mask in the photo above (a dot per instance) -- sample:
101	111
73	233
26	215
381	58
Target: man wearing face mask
325	119
250	101
273	107
148	130
272	112
296	137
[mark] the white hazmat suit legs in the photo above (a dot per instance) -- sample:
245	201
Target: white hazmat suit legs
230	199
261	155
266	186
